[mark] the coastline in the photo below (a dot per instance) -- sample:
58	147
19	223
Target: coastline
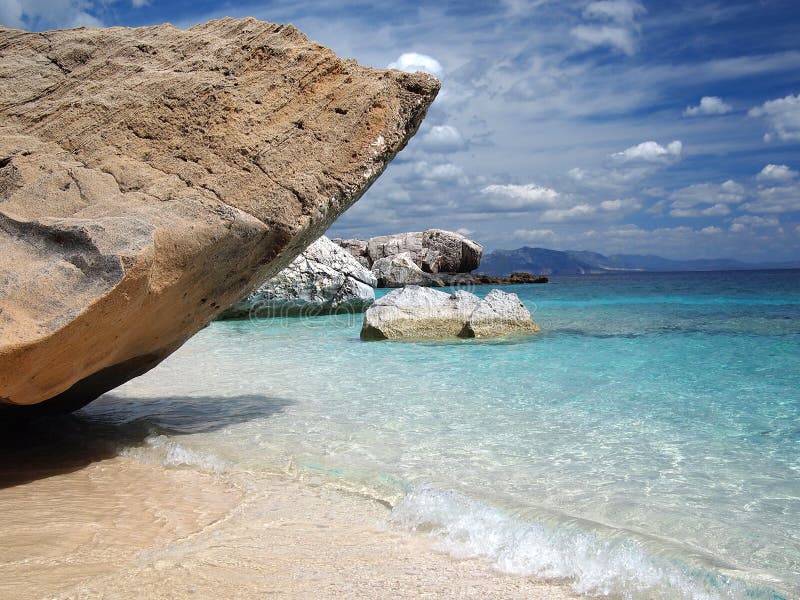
120	528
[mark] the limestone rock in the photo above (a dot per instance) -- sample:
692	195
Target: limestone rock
152	177
500	313
417	313
400	270
324	279
449	252
356	248
432	250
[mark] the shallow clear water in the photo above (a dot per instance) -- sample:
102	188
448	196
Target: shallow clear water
645	445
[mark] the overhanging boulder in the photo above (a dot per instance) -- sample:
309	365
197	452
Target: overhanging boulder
152	177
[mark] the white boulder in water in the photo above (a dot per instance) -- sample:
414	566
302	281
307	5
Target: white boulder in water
416	313
324	279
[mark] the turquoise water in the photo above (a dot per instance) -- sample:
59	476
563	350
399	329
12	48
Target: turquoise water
645	445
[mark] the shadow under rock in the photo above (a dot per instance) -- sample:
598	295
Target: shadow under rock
65	443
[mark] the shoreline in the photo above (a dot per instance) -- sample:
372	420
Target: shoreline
120	528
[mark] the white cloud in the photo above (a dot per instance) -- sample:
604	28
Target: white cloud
783	118
620	35
140	3
464	231
777	199
516	197
716	210
621	11
439	173
557	215
535	234
605	35
414	61
709	105
776	173
755	221
443	138
627	204
728	192
650	152
711	230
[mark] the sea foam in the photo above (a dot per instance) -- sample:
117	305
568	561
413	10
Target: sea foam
615	566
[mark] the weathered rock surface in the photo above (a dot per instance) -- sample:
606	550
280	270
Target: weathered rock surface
500	313
400	270
432	250
418	313
152	177
324	279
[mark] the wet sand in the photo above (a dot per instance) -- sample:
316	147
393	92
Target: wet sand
93	524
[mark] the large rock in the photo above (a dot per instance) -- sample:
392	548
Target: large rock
418	313
324	279
400	270
432	250
152	177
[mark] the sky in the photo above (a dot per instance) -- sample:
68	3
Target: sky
617	126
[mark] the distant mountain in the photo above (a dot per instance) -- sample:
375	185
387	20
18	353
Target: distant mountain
572	262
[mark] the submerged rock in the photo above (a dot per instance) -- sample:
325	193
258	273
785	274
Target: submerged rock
152	177
418	313
324	279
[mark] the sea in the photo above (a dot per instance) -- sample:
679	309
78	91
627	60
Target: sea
645	444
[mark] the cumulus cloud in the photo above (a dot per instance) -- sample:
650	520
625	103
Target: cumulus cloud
728	192
651	152
755	221
619	27
782	116
776	173
431	174
776	199
711	230
709	105
443	138
520	197
414	61
618	205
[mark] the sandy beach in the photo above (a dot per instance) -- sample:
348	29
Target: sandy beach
112	527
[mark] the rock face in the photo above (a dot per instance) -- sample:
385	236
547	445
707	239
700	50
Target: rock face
324	279
418	313
152	177
400	270
432	251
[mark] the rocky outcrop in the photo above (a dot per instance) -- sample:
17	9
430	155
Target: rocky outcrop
324	279
400	270
152	177
433	251
517	277
418	313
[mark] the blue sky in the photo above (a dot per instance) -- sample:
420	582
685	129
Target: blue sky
630	126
